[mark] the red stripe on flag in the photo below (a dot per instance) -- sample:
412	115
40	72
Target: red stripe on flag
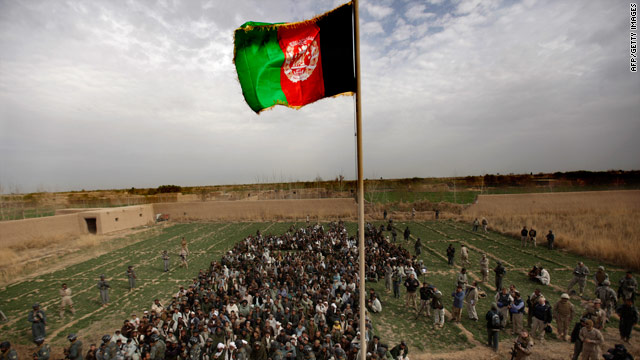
301	74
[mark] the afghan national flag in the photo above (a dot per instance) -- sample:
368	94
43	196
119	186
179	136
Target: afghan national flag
295	64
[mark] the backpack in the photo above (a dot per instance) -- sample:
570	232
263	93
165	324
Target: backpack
495	321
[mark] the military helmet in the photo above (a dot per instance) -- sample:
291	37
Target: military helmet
72	337
38	340
5	345
106	338
193	340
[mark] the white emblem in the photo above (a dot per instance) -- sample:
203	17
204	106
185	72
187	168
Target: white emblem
301	58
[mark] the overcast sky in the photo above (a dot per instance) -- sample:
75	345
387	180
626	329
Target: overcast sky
115	94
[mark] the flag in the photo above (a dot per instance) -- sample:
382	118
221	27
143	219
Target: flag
295	64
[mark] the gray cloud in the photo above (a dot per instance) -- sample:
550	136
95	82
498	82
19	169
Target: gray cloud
109	94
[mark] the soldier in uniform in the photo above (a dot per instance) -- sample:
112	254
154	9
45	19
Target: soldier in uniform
42	352
485	223
628	287
165	259
464	255
580	274
600	276
500	272
596	314
184	252
591	341
6	352
104	286
75	349
484	268
110	349
131	274
522	346
607	296
563	311
65	294
38	321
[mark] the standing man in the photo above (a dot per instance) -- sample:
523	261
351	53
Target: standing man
165	259
450	254
384	214
532	301
464	255
522	346
184	251
540	318
485	223
591	341
407	234
503	301
600	276
438	309
394	234
462	279
494	321
471	298
627	288
516	311
550	239
607	296
131	274
75	349
426	292
397	280
575	338
458	303
476	224
104	286
65	294
412	285
484	268
388	274
563	311
524	236
38	321
418	247
580	274
532	236
628	317
42	352
500	273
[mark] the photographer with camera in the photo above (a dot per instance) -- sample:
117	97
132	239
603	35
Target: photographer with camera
522	347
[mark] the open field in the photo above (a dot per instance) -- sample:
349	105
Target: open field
597	224
207	241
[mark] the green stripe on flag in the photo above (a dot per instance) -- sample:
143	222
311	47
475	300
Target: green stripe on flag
258	61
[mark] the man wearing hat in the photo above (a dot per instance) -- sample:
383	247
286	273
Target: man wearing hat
42	352
522	346
596	314
104	286
400	351
600	276
6	352
580	274
38	321
607	296
75	349
65	294
563	311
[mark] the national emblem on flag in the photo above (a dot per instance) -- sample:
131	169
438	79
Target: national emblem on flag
294	64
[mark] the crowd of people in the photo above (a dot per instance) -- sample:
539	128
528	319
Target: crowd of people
296	295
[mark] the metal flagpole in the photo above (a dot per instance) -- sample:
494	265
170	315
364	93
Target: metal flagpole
361	252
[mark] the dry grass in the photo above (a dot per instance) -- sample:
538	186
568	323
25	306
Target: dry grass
602	224
37	252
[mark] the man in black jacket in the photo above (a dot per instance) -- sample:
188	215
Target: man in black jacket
494	321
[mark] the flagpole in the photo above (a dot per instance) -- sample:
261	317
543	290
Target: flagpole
361	264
